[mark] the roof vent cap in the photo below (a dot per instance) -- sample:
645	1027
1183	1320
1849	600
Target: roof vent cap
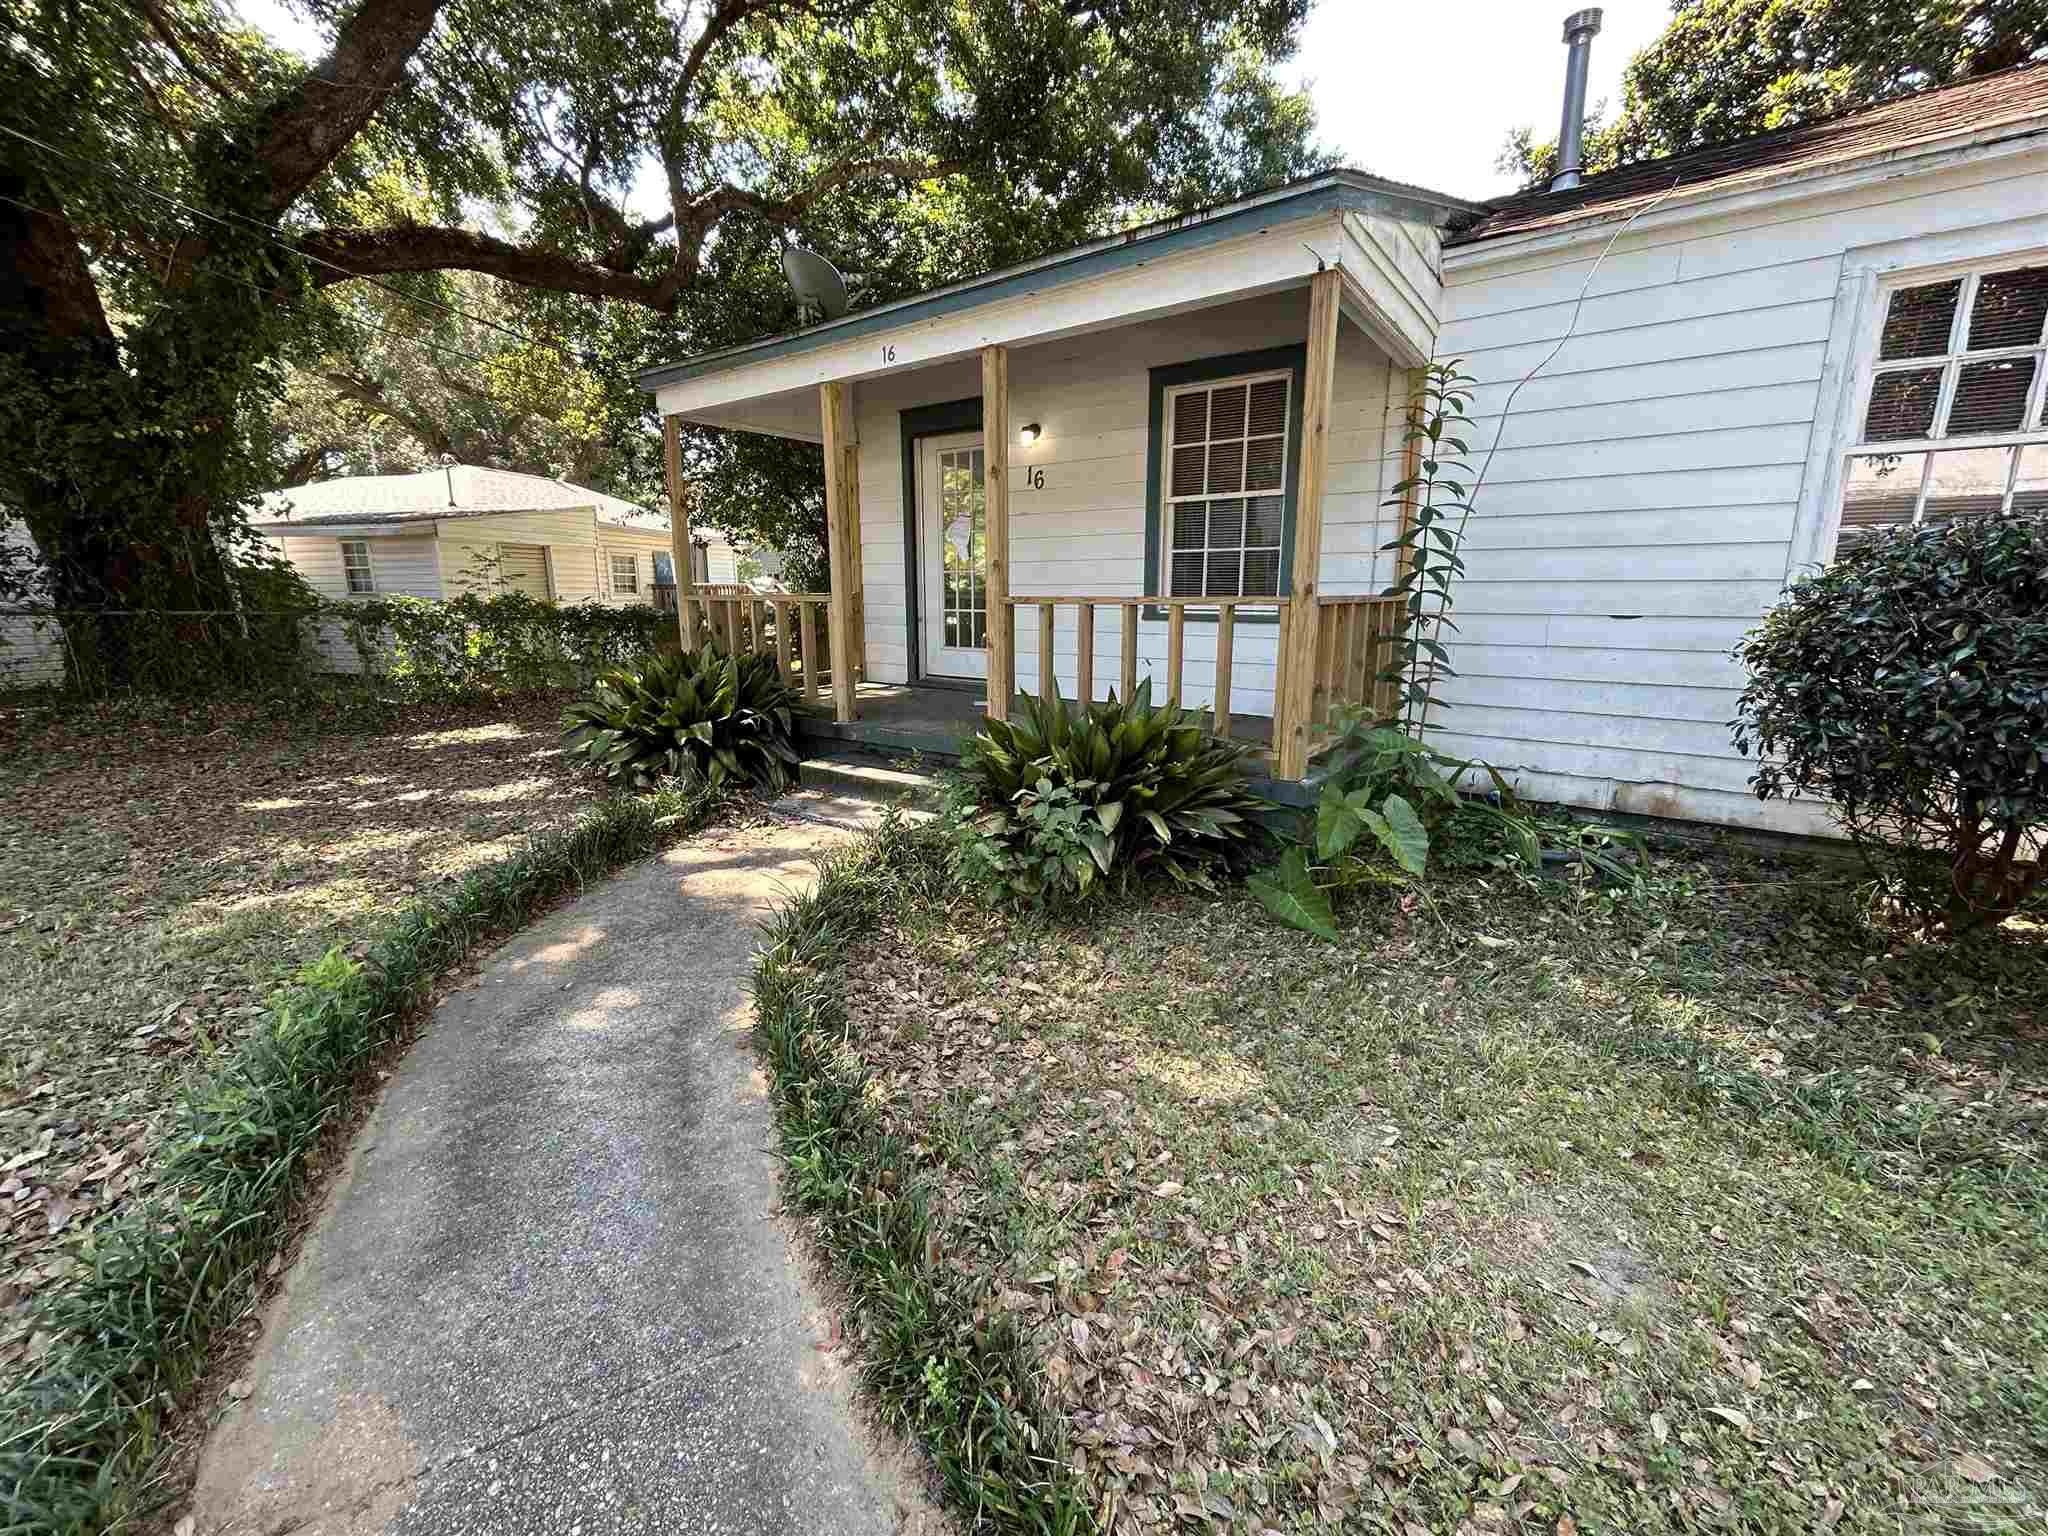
1580	28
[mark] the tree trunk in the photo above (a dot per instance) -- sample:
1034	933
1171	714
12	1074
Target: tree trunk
124	459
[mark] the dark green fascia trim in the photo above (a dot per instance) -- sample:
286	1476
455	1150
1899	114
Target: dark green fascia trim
1326	192
924	421
1295	358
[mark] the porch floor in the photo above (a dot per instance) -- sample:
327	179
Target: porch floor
935	721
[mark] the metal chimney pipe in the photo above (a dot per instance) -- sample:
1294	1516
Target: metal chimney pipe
1580	28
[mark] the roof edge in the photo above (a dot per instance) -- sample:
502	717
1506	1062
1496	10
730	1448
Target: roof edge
1703	199
1342	188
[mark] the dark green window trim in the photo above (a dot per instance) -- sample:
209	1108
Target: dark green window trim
925	421
1269	360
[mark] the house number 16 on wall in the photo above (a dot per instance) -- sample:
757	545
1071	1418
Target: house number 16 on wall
1034	479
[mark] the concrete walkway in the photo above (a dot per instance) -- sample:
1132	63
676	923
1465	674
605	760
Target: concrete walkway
549	1292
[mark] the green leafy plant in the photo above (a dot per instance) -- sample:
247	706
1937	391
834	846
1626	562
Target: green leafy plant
699	716
1390	812
1434	505
1049	806
1906	685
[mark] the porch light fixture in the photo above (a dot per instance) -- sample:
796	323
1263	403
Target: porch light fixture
1030	433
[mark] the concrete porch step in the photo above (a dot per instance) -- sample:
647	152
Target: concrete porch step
853	790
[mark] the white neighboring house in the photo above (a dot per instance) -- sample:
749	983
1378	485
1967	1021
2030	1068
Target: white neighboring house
1782	341
445	531
434	535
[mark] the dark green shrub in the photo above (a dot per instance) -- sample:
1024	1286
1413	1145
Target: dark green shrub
699	716
1907	686
1058	803
507	642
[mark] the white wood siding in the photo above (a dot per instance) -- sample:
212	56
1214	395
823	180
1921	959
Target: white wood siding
1651	492
31	646
469	545
640	547
1083	533
401	565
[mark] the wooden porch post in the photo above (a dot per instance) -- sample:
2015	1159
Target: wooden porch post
842	533
679	527
1298	663
995	436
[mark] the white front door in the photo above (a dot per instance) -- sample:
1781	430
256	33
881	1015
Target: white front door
952	542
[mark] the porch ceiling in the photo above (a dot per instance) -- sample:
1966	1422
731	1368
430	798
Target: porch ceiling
1385	240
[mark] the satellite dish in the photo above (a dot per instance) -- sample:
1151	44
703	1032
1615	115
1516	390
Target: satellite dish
816	281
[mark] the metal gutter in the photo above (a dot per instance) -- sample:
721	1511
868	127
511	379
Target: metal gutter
1333	191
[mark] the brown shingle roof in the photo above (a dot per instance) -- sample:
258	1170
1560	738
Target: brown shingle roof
1978	107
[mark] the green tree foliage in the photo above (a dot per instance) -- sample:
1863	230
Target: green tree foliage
1727	69
178	195
489	380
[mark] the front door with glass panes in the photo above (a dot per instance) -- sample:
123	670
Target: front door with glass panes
952	543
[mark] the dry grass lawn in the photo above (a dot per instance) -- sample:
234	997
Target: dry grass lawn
1705	1211
160	876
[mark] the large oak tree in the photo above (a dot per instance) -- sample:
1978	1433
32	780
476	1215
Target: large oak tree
175	194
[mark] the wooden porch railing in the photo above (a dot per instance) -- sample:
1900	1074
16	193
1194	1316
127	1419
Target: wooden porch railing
1354	645
1355	639
789	626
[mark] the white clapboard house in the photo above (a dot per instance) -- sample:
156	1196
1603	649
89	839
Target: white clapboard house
1167	454
460	527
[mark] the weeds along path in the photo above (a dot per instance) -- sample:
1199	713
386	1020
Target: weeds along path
550	1288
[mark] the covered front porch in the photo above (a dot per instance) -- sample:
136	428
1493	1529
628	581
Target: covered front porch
1173	457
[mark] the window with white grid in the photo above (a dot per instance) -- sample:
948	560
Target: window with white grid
1226	486
625	573
355	567
1953	423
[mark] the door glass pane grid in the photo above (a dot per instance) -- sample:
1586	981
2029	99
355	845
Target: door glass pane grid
963	543
1963	357
1228	440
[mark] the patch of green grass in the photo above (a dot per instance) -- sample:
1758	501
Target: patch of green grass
1711	1206
81	1434
940	1364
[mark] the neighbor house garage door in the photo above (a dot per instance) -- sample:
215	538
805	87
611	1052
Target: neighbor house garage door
523	568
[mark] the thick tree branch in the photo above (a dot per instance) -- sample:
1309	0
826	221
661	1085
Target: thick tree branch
371	396
163	27
302	133
47	281
434	248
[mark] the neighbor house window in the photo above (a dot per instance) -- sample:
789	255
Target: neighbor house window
1952	424
1226	483
625	573
355	567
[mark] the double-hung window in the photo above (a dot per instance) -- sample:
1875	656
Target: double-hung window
625	574
1953	422
355	567
1226	485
